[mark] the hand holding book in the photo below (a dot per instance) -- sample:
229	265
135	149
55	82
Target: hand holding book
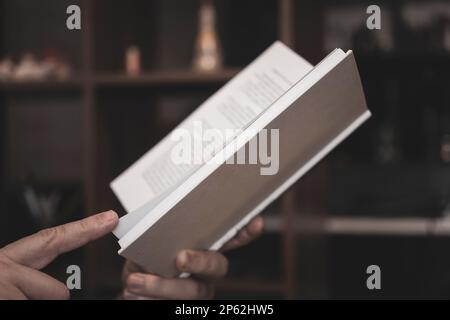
204	266
21	261
178	198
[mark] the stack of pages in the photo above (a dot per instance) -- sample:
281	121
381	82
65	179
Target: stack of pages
179	198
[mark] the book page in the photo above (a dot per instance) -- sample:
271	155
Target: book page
232	107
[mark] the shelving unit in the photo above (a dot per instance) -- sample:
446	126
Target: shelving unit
49	86
119	113
122	117
175	82
159	79
371	226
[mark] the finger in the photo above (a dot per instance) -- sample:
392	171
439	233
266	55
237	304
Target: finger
246	235
203	264
155	287
39	249
10	292
129	268
36	285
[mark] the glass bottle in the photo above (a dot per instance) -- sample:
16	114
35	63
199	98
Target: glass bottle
207	55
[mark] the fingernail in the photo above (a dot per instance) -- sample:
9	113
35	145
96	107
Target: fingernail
183	260
109	216
135	282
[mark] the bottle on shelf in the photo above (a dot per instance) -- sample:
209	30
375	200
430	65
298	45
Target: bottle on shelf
207	55
133	61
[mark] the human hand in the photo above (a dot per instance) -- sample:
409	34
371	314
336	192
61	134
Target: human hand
204	267
21	260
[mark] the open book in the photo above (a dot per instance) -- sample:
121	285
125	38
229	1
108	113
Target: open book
179	198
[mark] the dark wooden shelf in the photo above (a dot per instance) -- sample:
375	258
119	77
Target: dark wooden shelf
165	78
41	85
404	60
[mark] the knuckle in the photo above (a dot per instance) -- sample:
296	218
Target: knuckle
50	236
208	263
151	285
217	264
84	224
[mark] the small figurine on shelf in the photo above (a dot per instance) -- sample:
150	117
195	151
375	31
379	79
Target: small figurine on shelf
133	61
27	69
208	55
6	69
55	67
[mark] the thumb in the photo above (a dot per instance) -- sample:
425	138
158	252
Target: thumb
38	250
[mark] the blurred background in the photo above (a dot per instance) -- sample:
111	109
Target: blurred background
77	107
